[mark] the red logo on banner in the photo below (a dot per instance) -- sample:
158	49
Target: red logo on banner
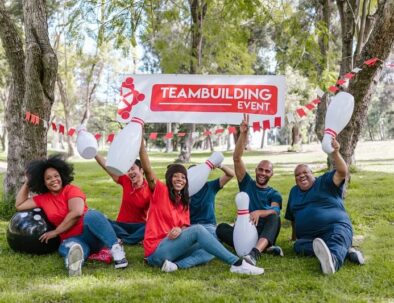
252	99
129	97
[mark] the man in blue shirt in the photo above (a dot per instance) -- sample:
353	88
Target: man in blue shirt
264	206
320	224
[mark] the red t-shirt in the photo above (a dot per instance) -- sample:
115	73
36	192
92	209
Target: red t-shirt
135	201
163	216
56	208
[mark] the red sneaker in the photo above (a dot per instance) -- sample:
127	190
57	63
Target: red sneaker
104	255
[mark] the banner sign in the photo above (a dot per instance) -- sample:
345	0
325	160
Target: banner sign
213	99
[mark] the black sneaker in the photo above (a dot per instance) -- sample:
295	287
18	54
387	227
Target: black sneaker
275	250
355	256
252	257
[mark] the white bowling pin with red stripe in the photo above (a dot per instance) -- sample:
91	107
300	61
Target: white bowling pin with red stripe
245	233
86	143
198	174
125	148
338	115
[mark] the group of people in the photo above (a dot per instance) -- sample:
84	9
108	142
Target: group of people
179	231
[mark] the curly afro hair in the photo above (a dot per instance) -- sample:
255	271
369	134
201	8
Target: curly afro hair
171	170
35	172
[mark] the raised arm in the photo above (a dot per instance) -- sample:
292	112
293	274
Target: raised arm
239	165
22	201
340	164
228	175
101	161
149	174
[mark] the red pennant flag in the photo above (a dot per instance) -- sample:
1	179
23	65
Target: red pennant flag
54	128
35	119
153	136
372	61
61	128
219	131
169	135
266	124
110	137
333	89
207	133
301	113
348	76
341	82
97	136
316	101
27	116
278	122
256	126
310	106
71	132
232	130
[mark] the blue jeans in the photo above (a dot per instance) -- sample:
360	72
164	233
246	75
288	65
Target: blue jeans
97	233
193	247
129	233
338	241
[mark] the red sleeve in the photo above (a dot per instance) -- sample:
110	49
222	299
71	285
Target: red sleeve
38	199
122	179
72	191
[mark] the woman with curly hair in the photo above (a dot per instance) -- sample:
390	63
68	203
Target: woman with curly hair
81	230
170	241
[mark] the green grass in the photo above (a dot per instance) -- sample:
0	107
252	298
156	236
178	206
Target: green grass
26	278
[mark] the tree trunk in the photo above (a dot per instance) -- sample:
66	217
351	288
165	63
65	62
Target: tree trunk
379	45
32	89
67	117
13	46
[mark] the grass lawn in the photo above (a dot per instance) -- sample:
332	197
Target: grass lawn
26	278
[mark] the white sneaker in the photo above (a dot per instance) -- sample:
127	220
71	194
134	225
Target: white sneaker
324	255
246	269
74	260
169	266
119	256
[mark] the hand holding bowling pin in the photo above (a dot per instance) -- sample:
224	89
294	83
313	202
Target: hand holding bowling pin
86	143
338	115
126	145
245	233
198	174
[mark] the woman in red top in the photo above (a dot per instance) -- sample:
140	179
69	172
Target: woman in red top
130	223
169	238
80	230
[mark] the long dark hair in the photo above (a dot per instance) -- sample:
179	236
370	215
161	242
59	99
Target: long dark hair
35	171
185	199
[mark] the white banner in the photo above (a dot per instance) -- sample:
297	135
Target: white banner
213	99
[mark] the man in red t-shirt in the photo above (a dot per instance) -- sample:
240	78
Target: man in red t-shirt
130	223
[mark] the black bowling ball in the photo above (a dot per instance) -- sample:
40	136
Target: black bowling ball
25	229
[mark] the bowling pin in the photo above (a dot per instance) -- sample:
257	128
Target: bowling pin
245	233
126	145
338	115
198	174
86	143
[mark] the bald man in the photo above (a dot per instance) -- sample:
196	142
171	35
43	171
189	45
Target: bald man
320	223
264	206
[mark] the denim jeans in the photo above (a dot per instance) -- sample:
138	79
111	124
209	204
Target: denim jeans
338	241
129	233
194	244
97	233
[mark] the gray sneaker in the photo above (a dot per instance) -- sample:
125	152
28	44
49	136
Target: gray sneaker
74	260
324	255
355	256
252	257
